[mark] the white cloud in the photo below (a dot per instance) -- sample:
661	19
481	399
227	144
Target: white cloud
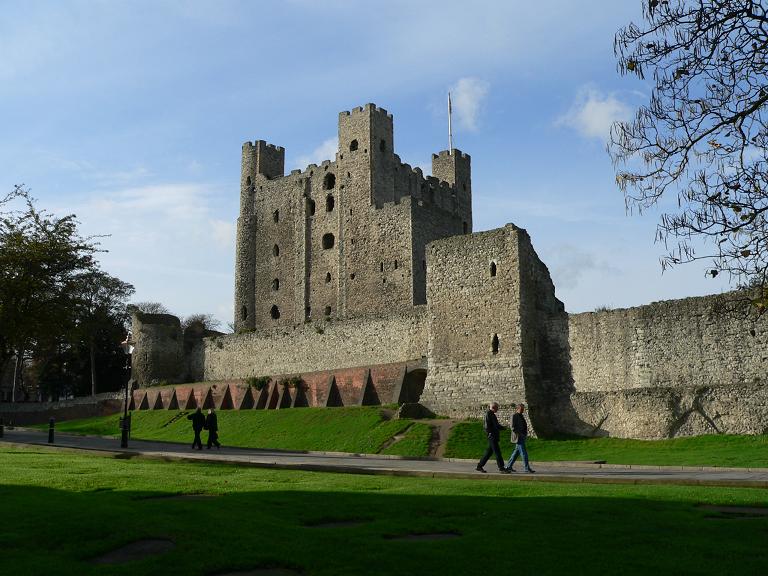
173	241
593	112
223	233
325	151
467	96
569	264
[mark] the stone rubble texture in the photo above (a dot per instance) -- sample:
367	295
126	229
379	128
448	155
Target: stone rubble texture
363	262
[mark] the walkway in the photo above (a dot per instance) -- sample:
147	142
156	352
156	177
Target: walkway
399	466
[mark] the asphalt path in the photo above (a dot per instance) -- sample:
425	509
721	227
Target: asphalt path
399	466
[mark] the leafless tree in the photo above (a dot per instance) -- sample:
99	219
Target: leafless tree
702	139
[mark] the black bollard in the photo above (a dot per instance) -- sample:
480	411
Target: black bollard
124	433
2	427
50	431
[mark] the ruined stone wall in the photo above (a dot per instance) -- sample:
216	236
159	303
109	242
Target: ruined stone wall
677	367
312	347
158	354
473	296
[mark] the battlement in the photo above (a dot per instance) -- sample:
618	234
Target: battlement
263	145
456	153
370	107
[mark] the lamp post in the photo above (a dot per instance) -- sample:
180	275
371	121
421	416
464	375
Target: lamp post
127	345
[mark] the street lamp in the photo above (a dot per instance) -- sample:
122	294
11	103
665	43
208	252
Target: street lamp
127	346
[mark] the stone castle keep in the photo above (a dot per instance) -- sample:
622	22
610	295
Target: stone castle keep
360	281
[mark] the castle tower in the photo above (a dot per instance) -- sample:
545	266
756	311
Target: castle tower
260	161
454	167
366	143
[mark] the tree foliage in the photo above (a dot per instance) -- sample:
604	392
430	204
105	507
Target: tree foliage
206	321
703	137
150	307
54	299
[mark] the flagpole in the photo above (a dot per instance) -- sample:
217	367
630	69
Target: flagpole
450	130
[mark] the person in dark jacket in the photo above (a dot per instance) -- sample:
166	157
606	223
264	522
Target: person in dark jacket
198	423
212	425
492	428
519	435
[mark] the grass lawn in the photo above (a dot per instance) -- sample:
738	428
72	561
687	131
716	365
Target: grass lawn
61	509
349	429
467	440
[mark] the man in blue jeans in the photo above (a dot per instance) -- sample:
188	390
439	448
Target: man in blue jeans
492	427
520	429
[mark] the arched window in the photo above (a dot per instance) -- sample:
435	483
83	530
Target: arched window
248	181
495	344
275	250
329	182
330	202
395	264
493	269
328	241
353	146
327	277
327	310
311	206
275	284
276	215
243	313
274	312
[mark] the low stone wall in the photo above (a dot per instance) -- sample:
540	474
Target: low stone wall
672	368
21	414
311	347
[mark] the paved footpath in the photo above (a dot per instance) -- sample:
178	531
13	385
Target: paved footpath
399	466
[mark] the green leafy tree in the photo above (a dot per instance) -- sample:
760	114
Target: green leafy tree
703	137
99	305
54	300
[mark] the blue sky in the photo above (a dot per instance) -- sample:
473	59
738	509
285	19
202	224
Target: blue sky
132	115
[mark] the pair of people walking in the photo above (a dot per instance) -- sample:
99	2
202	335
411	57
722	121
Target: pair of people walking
519	435
201	422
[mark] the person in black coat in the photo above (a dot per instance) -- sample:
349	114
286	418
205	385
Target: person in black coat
519	436
492	428
212	425
198	423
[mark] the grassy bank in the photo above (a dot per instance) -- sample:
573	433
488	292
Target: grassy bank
468	441
75	507
350	429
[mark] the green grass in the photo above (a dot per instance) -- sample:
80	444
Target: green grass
61	509
349	429
415	443
467	440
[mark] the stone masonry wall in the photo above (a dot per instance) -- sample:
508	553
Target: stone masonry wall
671	368
159	349
469	305
311	347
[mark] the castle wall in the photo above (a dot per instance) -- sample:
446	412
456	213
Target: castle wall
344	239
159	349
312	347
670	368
467	307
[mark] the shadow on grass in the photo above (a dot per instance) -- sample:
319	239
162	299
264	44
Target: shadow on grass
55	531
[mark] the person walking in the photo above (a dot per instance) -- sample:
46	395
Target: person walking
492	428
519	436
198	423
212	425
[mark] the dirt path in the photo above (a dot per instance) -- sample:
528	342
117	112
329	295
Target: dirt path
440	431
